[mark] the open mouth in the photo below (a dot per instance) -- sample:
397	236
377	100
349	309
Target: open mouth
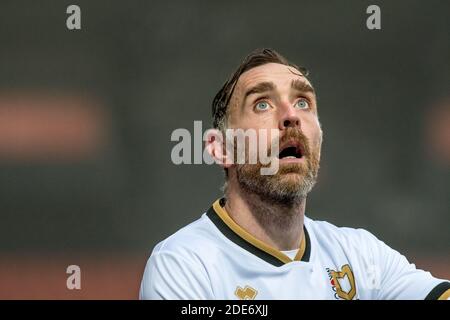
291	151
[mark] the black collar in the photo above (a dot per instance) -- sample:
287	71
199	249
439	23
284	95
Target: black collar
217	214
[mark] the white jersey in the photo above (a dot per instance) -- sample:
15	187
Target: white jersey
214	258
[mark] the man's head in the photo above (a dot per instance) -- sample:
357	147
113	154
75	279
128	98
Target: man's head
268	92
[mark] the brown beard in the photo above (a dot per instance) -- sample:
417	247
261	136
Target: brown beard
293	181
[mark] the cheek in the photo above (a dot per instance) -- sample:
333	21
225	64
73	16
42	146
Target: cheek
253	120
318	141
313	131
266	139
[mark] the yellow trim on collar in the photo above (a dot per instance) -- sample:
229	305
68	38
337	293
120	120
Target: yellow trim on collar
223	214
445	295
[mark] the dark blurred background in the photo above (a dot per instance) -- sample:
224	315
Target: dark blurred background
86	117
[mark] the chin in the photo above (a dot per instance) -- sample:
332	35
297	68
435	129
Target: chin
290	181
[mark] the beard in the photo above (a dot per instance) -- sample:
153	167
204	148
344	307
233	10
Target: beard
293	181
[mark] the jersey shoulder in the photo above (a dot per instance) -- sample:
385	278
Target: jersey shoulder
326	229
176	267
351	240
193	240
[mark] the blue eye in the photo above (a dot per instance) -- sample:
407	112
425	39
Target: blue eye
263	105
302	104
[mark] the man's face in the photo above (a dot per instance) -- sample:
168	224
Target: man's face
276	96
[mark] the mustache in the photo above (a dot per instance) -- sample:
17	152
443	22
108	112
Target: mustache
298	136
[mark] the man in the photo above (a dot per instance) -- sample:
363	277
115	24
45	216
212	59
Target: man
256	242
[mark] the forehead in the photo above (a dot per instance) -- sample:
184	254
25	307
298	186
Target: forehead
279	74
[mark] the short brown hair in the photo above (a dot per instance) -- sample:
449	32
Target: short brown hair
256	58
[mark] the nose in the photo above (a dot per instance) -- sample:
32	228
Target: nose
289	119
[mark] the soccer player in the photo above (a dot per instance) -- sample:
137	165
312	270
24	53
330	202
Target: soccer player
256	242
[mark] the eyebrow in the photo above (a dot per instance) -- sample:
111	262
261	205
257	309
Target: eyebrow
302	86
296	84
260	88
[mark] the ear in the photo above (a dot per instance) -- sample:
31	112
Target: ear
215	146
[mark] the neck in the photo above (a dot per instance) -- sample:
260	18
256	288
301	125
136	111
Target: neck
278	225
